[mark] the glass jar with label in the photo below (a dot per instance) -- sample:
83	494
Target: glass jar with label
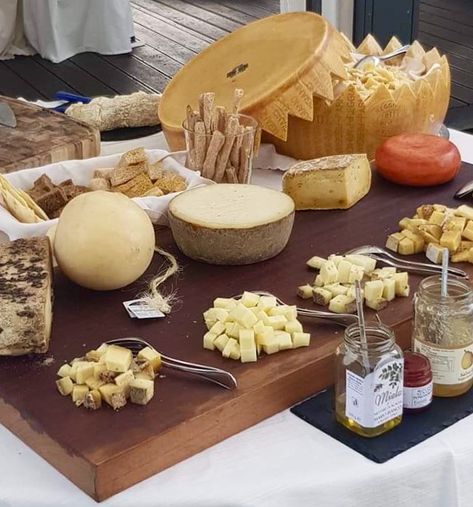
443	331
369	381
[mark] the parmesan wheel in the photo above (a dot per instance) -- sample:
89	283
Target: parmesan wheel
103	240
231	223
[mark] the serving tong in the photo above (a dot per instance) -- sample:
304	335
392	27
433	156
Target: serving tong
384	256
216	375
377	59
342	319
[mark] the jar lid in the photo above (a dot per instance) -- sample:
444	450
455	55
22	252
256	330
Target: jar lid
416	366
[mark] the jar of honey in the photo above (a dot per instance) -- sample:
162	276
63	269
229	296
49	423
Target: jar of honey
369	380
417	382
443	331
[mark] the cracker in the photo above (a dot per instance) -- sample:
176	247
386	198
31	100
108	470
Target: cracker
99	184
170	182
136	187
154	192
103	173
132	157
155	170
122	174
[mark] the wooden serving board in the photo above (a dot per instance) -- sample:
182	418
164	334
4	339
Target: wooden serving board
42	137
105	452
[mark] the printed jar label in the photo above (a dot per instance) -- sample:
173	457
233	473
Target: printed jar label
418	397
449	366
377	398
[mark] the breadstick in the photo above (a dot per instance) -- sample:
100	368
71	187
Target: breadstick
200	145
216	142
231	174
230	133
190	159
235	154
245	154
237	96
191	118
218	119
206	103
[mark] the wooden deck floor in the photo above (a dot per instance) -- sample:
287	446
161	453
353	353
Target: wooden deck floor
172	31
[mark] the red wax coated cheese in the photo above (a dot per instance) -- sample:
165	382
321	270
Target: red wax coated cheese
417	160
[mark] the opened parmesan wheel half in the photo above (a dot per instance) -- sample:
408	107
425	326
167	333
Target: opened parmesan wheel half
280	62
231	224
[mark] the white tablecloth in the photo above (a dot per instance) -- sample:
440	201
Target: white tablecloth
280	462
12	40
59	29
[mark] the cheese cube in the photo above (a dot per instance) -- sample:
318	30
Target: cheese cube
336	259
367	263
78	394
277	321
454	223
376	304
431	233
221	341
265	337
243	316
342	304
209	341
272	346
417	239
344	271
402	284
304	291
248	355
216	314
114	395
406	246
322	296
235	352
92	356
336	289
374	289
65	369
118	359
451	240
293	326
460	256
329	273
124	379
65	385
284	339
468	231
356	273
94	383
141	391
258	327
93	400
247	338
289	311
464	211
425	211
382	273
351	292
218	328
465	245
232	329
319	281
267	302
316	262
437	217
225	303
389	291
434	253
392	243
333	182
411	224
300	340
154	357
84	371
263	316
229	346
102	349
98	369
249	299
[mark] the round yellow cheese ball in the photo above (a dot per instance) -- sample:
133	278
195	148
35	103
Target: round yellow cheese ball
103	240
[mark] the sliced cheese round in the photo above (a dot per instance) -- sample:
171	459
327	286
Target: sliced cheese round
230	223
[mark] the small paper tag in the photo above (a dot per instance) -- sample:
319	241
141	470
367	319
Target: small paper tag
138	309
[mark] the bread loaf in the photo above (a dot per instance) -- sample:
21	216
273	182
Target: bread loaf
25	296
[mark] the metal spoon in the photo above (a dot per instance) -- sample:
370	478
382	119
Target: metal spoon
376	60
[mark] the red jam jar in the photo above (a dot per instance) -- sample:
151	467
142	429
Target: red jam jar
417	383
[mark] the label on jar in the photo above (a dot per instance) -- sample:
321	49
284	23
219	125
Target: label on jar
449	366
377	398
418	397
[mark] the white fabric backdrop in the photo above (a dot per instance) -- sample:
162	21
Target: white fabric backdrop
59	29
281	462
12	41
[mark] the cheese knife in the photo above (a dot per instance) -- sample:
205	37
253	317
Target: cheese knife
7	116
466	190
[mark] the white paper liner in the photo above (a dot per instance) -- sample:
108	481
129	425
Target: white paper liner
81	171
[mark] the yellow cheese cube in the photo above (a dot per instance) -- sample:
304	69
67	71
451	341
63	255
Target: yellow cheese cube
141	391
304	291
235	352
468	231
376	304
79	393
319	281
263	316
265	337
464	211
316	262
465	245
336	259
232	329
218	328
225	303
94	383
356	273
102	349
154	357
243	316
374	289
344	271
300	340
392	243
417	239
342	304
209	341
248	355
221	341
118	359
259	327
98	369
367	263
266	303
227	350
124	379
272	346
249	299
247	338
293	326
460	256
216	314
329	273
336	289
277	321
451	240
382	273
406	246
437	217
454	223
389	291
284	339
431	233
84	371
434	253
65	385
322	296
65	369
402	284
114	395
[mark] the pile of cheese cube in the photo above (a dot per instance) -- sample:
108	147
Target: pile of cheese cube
242	329
334	285
433	228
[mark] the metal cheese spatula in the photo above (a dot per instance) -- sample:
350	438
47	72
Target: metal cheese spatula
7	116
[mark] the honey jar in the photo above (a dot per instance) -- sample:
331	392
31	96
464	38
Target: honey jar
418	383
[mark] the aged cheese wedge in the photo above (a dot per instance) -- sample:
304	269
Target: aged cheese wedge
230	223
26	296
335	182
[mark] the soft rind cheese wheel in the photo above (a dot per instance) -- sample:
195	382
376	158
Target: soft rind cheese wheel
230	223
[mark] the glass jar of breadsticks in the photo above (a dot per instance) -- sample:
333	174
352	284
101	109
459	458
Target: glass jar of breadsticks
219	144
